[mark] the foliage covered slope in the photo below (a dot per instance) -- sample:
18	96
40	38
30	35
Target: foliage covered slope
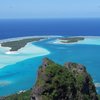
56	82
68	82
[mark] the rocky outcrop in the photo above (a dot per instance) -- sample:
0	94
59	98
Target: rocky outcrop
2	98
56	82
68	82
87	87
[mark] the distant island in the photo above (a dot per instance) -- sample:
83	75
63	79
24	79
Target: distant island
71	39
57	82
18	44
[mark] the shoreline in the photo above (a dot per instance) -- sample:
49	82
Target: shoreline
18	44
25	37
30	58
45	36
88	40
15	44
27	52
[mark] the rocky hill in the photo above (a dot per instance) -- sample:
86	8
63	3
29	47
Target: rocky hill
56	82
68	82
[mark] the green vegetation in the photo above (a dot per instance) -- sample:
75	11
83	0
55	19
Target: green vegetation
22	96
99	97
56	82
80	79
56	79
16	45
71	40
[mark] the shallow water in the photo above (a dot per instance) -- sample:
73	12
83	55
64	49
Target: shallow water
9	57
22	75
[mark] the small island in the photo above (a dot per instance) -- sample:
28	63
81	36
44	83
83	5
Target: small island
18	44
71	39
56	82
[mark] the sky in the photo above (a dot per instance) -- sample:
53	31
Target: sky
49	9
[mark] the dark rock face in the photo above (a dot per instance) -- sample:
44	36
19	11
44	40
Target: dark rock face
73	67
68	82
88	87
2	98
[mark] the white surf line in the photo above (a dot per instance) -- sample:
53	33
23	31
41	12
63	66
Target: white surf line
29	51
89	40
29	37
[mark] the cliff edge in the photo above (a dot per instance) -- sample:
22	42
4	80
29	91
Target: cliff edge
68	82
57	82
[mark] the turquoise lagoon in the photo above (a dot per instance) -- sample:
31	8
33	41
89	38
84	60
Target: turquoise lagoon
22	74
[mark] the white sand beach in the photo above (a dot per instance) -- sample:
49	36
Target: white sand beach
8	57
29	37
89	40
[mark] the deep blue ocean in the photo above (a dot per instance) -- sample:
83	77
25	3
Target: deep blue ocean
22	75
27	27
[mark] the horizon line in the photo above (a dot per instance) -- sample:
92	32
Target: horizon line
54	18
